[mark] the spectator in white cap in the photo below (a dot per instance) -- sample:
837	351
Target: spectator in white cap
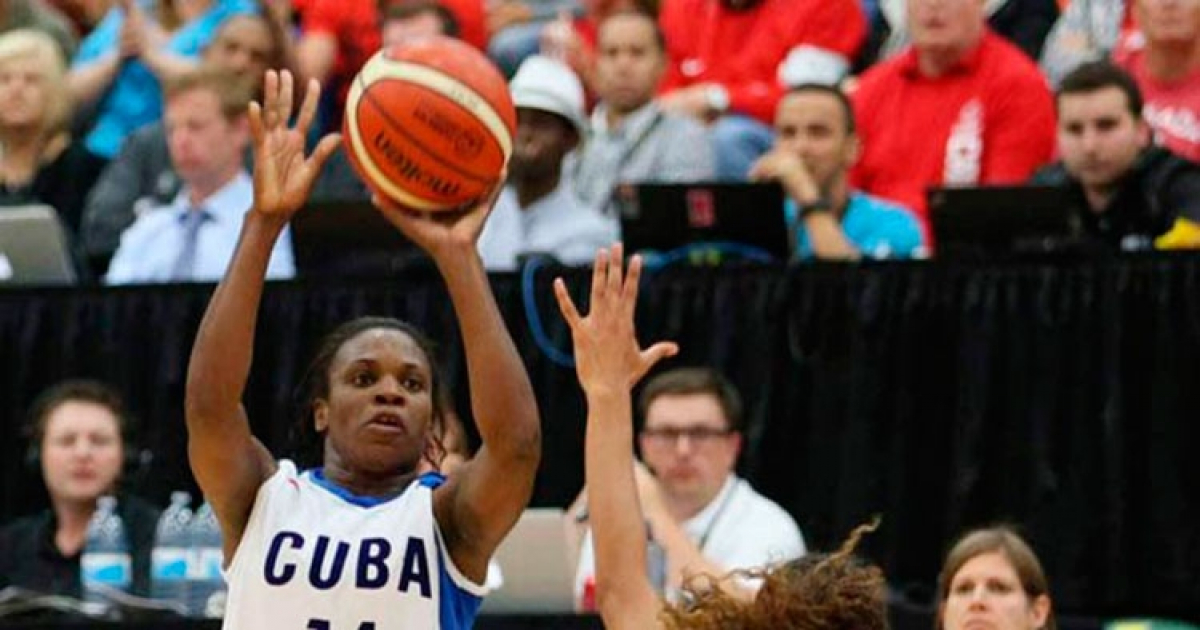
538	213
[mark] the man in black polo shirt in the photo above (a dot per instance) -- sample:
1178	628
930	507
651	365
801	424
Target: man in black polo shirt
1135	195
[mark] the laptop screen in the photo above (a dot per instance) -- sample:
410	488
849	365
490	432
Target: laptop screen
535	561
348	238
34	247
664	217
1002	219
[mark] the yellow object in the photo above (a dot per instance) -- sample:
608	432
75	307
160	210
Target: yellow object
1184	234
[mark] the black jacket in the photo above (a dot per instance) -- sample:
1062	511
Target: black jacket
30	559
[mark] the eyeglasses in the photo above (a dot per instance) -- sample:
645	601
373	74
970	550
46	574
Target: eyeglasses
696	435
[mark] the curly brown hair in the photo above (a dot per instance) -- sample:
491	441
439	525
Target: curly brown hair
818	591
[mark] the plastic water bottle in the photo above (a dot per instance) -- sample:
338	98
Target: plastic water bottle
169	560
105	565
207	585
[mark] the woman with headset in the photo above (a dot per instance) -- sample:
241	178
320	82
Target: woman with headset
76	433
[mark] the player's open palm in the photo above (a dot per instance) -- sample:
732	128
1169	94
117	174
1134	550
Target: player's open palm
283	174
442	232
607	354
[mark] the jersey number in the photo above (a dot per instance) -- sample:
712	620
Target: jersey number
323	624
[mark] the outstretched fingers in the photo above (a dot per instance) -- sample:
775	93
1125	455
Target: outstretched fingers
616	271
324	150
308	108
565	304
270	100
599	277
629	292
657	352
283	111
255	116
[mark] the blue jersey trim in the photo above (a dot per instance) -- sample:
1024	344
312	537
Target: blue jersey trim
429	480
457	607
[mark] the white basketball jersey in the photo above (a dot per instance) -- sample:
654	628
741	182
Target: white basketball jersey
315	557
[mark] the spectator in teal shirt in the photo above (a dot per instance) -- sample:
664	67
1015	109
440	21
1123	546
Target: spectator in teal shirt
815	147
121	64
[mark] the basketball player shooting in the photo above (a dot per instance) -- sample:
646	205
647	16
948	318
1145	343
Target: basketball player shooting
365	542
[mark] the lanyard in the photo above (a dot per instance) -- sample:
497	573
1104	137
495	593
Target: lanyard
624	157
712	524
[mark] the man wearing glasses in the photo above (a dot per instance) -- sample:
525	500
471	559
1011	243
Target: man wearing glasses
701	515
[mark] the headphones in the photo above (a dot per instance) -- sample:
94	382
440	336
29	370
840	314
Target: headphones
136	462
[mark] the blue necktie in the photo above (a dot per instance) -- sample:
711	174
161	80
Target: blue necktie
185	264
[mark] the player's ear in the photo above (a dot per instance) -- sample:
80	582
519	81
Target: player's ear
320	412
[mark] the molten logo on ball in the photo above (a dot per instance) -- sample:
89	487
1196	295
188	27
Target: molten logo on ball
411	170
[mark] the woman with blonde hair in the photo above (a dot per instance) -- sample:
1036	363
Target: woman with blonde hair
38	161
992	576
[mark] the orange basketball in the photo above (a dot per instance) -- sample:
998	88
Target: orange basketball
429	124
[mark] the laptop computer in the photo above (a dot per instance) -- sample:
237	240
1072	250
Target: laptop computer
34	247
1002	220
535	562
663	217
340	238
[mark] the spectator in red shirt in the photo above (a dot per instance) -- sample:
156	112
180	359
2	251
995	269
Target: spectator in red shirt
336	39
959	107
1164	58
726	57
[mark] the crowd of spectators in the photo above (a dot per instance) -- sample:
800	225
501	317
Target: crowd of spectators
857	108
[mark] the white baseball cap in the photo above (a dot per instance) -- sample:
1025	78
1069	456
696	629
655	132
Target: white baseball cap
548	85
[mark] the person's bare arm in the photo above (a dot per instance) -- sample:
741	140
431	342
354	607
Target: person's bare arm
608	363
86	83
479	505
229	463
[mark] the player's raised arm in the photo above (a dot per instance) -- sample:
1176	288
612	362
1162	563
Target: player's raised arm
481	502
609	363
227	461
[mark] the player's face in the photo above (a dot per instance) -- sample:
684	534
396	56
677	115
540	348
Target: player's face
945	23
81	451
243	47
686	441
204	145
812	125
987	594
1098	137
1169	21
629	64
380	403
